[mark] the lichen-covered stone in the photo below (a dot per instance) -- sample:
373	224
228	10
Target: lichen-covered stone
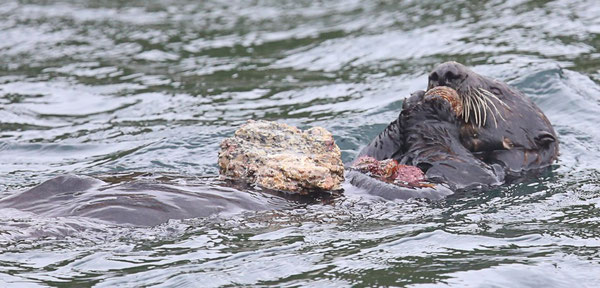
282	157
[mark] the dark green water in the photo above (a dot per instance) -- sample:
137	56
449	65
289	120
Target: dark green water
146	90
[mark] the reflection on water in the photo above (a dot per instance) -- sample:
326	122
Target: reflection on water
149	88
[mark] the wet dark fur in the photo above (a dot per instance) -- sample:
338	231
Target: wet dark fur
137	202
515	137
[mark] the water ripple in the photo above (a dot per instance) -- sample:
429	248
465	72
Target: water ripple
144	91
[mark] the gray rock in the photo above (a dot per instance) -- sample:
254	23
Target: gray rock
282	157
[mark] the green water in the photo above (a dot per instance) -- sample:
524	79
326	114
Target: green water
146	90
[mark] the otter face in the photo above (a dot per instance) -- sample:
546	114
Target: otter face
479	95
498	122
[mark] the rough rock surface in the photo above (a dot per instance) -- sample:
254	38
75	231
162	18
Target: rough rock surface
282	157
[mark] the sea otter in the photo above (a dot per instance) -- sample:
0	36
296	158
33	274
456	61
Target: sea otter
466	131
485	134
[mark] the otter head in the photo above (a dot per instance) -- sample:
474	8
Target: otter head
498	120
481	97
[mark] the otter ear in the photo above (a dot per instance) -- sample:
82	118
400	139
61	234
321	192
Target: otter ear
545	138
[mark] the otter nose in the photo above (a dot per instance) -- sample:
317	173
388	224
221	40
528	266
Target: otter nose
444	74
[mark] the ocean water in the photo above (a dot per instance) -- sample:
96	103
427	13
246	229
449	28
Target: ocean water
144	91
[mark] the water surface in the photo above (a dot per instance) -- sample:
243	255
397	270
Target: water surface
134	91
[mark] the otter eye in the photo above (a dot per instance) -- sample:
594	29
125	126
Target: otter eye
450	76
433	76
495	90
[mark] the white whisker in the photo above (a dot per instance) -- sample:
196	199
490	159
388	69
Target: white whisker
485	107
466	108
477	111
489	100
476	102
491	95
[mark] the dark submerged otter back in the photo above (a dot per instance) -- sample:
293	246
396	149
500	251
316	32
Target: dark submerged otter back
136	203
